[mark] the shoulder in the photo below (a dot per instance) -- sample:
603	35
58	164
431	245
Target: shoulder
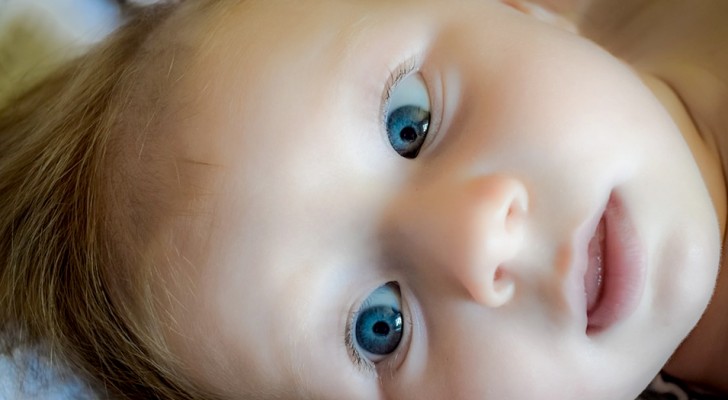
638	29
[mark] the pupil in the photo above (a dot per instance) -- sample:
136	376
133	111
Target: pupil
381	328
408	134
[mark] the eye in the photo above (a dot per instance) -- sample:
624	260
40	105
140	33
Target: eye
408	115
378	324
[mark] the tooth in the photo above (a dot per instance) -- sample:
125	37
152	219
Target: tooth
594	276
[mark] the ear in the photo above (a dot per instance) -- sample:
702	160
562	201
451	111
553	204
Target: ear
544	13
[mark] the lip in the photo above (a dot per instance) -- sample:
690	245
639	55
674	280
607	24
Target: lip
623	269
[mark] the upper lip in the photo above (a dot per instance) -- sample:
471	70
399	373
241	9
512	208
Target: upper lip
573	285
623	268
623	272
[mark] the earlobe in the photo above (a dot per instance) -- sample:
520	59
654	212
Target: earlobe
543	14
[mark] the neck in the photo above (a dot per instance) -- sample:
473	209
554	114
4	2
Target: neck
698	104
697	100
696	95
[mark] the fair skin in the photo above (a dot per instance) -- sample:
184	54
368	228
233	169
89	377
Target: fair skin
538	140
684	45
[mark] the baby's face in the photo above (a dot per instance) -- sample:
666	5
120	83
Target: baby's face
512	216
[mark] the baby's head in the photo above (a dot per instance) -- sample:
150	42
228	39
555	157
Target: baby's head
412	199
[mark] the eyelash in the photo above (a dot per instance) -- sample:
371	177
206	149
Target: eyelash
396	76
363	365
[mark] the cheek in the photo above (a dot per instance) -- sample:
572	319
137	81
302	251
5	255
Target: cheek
686	259
472	356
550	109
495	365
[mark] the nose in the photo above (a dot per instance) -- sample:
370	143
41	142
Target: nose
468	231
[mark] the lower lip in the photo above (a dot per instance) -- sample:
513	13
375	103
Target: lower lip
623	271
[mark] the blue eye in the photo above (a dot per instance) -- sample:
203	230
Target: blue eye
408	116
378	323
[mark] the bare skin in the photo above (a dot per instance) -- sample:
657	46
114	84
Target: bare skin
534	115
679	47
683	45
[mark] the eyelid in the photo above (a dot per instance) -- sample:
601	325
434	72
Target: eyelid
364	366
392	360
403	70
434	83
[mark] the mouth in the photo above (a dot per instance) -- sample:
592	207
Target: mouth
615	275
594	276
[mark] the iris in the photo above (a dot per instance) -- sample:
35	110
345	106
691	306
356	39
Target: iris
407	128
379	329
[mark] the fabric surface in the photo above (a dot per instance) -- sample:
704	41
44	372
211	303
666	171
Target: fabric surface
665	387
38	35
31	374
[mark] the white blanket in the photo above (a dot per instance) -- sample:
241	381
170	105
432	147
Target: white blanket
32	374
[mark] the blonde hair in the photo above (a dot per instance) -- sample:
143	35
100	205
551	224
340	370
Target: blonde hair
74	217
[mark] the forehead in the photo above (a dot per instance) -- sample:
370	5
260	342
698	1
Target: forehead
263	62
270	94
286	92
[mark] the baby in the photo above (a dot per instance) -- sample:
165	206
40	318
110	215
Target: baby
412	199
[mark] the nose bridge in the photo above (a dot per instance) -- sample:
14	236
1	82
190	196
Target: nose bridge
468	230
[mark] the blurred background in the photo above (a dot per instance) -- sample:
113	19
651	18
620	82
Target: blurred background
37	35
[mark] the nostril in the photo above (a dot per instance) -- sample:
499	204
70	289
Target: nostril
498	291
499	274
473	229
501	279
516	213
